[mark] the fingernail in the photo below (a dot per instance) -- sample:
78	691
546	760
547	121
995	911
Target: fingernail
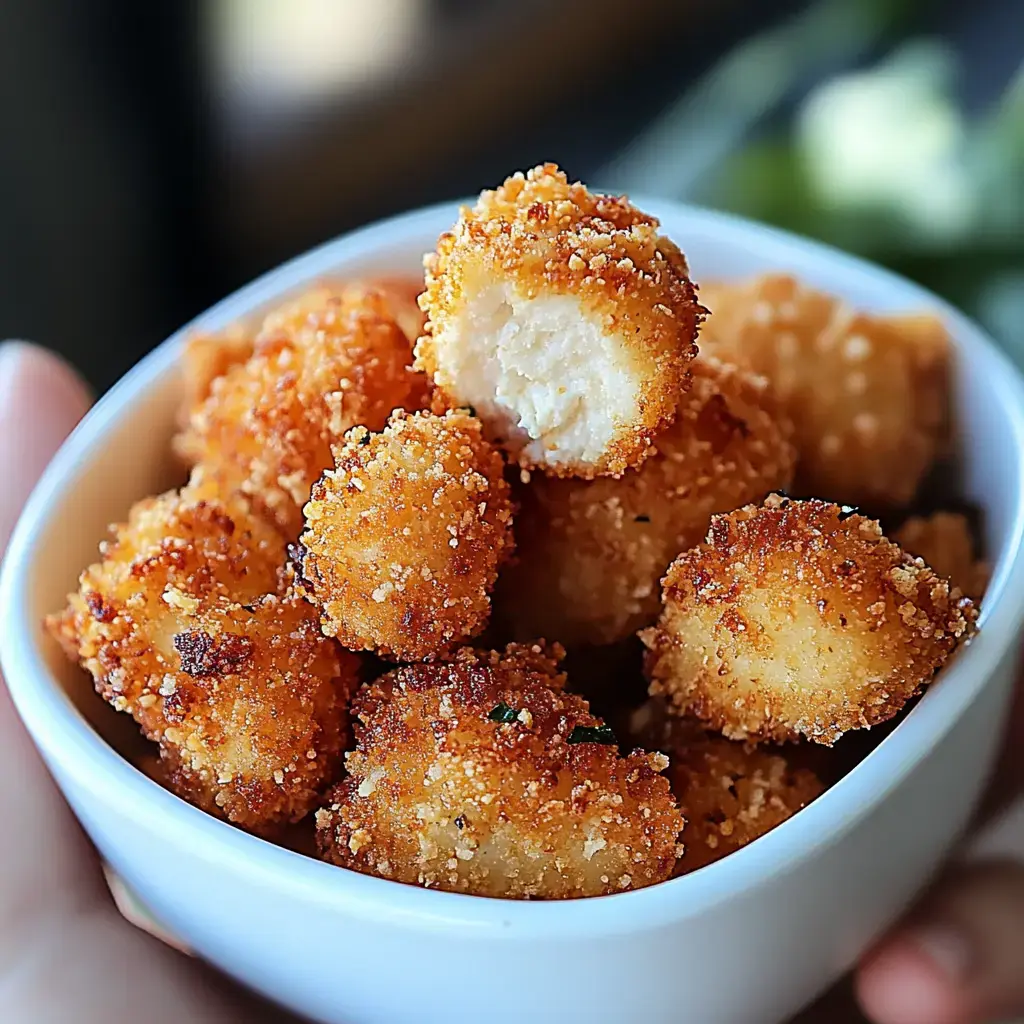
11	353
947	947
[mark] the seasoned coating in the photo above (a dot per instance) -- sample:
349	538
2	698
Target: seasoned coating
564	319
484	776
205	358
245	697
401	295
944	541
869	395
798	618
730	792
328	361
591	553
405	535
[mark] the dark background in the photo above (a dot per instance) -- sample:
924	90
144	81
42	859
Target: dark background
156	156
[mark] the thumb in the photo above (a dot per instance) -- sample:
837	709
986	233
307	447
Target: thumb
41	400
960	957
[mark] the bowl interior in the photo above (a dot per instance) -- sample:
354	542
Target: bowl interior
121	453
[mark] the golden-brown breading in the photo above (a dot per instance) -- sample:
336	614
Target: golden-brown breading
179	625
564	319
591	553
206	357
730	792
944	541
401	295
330	360
484	776
798	618
405	535
869	395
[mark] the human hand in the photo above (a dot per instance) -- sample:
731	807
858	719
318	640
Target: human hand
65	951
958	957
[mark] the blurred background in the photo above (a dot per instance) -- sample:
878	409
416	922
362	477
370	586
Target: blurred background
158	155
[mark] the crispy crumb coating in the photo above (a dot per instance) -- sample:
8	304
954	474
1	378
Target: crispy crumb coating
323	363
206	357
869	395
564	319
798	618
468	776
730	792
405	535
944	541
179	625
401	295
591	553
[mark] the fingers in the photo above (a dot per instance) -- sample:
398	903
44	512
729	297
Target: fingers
41	400
45	860
959	959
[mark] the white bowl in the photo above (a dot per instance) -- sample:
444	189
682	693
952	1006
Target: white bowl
749	939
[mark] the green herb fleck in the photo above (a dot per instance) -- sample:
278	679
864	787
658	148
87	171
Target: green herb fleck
503	713
592	734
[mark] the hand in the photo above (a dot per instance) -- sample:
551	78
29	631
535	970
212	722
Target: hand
65	951
958	957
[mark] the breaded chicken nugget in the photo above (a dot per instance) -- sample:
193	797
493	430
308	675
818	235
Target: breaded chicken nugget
244	695
328	361
405	535
730	792
401	295
207	357
485	776
869	395
564	319
798	618
944	541
591	553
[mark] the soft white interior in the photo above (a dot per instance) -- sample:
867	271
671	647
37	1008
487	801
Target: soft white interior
541	372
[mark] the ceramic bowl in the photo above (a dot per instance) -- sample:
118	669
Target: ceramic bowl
747	940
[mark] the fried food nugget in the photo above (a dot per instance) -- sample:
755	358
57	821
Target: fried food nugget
401	295
405	535
798	618
730	793
484	776
207	357
180	626
869	395
591	553
564	319
944	541
328	361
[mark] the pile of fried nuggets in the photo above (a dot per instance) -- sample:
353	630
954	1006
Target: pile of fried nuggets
542	453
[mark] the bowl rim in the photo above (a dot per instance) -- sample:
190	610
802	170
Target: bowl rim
67	740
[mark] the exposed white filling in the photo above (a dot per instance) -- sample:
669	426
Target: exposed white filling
541	372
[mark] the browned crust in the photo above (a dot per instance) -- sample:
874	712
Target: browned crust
405	535
944	541
440	794
247	700
869	395
327	361
549	235
798	618
591	553
730	792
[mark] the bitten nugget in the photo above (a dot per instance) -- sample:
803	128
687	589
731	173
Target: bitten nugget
328	361
943	540
564	319
404	537
591	554
485	776
869	395
798	618
730	792
245	697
